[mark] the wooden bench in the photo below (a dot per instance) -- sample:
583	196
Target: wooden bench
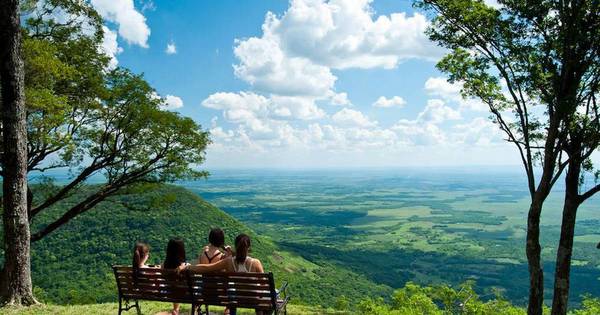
239	290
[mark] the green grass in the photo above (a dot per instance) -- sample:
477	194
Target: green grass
148	308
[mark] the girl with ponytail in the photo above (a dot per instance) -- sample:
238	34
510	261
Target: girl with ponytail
141	252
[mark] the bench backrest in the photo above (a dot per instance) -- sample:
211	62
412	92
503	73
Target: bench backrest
245	290
154	284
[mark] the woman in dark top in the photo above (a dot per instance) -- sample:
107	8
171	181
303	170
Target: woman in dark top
216	249
175	259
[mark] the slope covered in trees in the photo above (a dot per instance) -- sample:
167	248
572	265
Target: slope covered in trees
73	265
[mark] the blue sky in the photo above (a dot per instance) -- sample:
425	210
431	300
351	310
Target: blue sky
313	83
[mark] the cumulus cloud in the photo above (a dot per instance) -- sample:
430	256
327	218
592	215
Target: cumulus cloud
131	23
450	92
266	67
394	101
425	130
479	131
437	112
172	102
297	51
350	117
110	46
347	34
171	48
291	68
340	99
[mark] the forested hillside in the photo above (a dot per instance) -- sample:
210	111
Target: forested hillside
73	265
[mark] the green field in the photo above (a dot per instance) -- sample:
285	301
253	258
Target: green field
428	226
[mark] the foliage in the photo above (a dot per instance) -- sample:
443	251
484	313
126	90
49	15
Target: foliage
72	266
590	306
94	120
437	300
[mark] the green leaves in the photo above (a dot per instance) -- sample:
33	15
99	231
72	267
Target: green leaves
90	119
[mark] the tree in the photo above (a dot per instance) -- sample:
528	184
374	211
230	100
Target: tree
16	272
93	120
526	61
583	135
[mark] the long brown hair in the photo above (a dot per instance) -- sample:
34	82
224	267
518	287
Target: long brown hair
140	250
242	246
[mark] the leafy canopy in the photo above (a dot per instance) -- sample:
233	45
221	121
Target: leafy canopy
92	119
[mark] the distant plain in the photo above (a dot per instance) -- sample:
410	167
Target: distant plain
424	225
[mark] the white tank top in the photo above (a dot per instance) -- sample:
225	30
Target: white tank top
246	266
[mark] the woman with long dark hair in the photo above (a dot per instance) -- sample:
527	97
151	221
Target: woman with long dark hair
240	262
175	259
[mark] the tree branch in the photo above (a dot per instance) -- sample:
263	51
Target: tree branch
589	193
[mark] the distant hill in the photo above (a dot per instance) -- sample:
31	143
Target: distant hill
72	265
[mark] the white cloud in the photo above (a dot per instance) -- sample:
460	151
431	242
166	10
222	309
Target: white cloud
173	102
347	34
298	107
350	117
297	50
441	87
290	68
110	46
266	67
419	133
340	99
437	112
479	131
424	130
493	3
171	48
450	92
132	24
395	101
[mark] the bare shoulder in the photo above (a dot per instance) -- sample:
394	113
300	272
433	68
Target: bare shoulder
257	265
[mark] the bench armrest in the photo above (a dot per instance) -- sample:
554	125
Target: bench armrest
282	289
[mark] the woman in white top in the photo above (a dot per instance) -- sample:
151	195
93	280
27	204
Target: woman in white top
240	262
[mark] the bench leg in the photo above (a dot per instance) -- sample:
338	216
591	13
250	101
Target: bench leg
120	303
137	307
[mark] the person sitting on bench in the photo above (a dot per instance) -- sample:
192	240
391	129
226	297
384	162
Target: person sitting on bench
240	262
175	259
216	249
141	252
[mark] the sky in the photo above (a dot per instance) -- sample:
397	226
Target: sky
304	83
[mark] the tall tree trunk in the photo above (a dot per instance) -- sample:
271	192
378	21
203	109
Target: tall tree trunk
17	267
567	232
533	250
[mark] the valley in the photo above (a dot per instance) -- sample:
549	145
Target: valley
429	226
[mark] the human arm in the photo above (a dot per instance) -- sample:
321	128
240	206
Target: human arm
217	266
